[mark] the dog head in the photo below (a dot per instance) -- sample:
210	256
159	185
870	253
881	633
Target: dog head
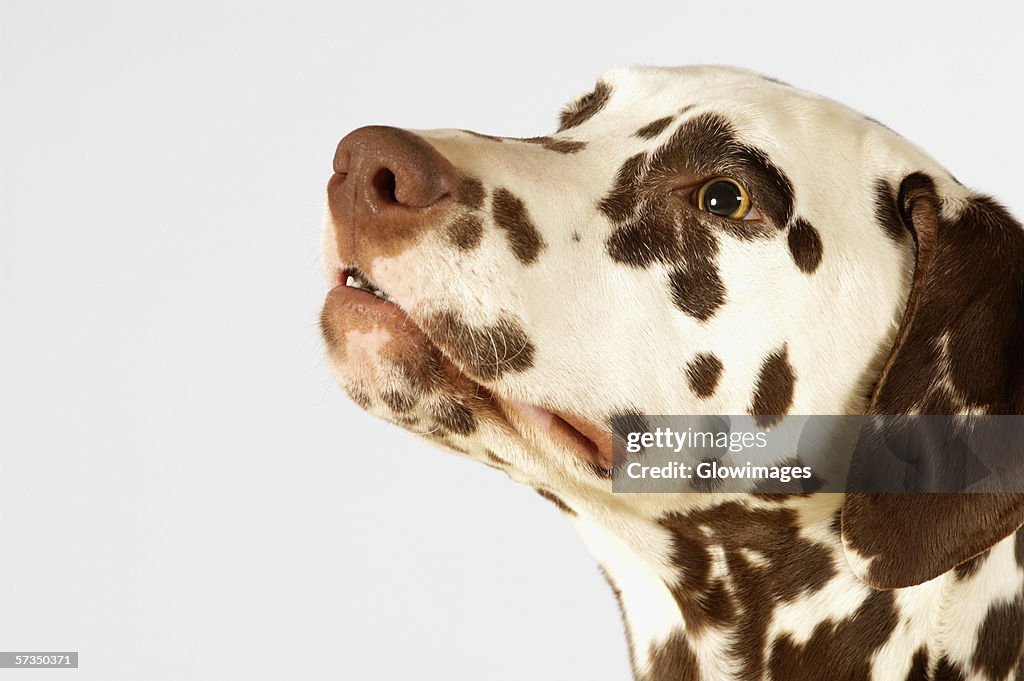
690	241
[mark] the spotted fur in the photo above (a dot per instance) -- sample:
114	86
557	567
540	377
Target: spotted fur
537	288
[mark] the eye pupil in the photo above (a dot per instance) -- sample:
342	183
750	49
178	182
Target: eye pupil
724	198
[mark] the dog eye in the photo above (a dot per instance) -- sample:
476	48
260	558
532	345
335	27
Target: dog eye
724	197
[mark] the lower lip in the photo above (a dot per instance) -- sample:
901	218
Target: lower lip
359	299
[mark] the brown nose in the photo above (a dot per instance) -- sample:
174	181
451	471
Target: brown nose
387	181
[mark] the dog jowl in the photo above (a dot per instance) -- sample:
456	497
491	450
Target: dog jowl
702	241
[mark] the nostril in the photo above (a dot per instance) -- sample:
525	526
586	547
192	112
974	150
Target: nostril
388	170
384	184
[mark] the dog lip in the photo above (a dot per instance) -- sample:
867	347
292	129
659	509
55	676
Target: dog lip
589	441
598	440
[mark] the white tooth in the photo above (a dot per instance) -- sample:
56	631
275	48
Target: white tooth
351	281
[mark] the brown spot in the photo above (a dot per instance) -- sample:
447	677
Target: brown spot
510	215
697	289
554	499
454	416
465	232
585	108
620	202
804	245
703	373
576	237
485	352
654	128
673	660
1000	639
398	401
773	394
918	666
947	670
844	648
560	145
470	193
886	213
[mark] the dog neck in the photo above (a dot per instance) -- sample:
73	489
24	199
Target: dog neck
759	588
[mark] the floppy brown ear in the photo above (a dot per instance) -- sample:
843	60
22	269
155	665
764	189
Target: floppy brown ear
959	350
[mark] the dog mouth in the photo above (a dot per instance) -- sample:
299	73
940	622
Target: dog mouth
358	300
357	279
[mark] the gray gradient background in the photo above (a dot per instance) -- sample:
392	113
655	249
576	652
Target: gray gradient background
184	494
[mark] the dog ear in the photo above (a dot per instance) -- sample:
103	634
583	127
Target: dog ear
959	350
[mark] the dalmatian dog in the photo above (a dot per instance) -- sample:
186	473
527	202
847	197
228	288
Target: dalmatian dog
702	240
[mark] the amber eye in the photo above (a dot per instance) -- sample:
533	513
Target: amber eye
723	196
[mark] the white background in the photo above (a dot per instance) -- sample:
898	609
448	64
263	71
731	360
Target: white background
184	494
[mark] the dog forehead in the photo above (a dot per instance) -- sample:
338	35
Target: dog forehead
646	90
817	142
778	118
